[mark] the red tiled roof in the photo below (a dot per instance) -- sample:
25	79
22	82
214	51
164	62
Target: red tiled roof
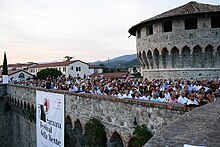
20	64
54	64
187	9
96	66
11	72
111	75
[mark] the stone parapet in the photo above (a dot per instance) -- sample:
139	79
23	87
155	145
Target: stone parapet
117	115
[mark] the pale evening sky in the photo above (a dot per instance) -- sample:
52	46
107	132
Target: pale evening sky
89	30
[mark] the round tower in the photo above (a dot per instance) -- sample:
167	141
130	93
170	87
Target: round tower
181	43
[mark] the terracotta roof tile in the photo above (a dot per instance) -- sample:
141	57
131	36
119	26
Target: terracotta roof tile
96	66
187	9
54	64
11	72
111	75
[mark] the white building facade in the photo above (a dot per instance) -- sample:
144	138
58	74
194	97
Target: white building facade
74	68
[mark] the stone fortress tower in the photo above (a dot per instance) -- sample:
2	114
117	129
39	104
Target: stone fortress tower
181	43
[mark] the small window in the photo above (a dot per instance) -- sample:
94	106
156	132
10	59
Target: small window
64	69
71	67
21	76
78	68
215	22
149	30
138	33
167	26
190	23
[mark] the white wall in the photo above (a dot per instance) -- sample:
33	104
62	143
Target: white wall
16	75
84	69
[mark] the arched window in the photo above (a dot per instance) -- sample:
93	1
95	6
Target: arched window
139	57
156	58
78	126
164	55
186	57
208	59
116	140
145	59
197	57
150	58
21	76
175	57
218	57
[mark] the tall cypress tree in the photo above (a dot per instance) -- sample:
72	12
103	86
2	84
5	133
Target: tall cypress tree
5	65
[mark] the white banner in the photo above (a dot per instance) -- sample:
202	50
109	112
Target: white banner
5	79
50	119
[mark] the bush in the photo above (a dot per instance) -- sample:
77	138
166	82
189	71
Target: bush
48	72
95	135
141	136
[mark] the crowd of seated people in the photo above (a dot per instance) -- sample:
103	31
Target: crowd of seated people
191	93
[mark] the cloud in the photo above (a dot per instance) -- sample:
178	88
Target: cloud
88	30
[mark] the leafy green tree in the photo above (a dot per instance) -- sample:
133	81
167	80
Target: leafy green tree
141	136
5	65
48	72
95	135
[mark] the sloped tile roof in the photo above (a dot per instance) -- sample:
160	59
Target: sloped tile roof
55	64
11	72
95	66
187	9
111	75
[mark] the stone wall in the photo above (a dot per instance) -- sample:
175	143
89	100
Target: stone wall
5	122
187	73
179	37
179	48
199	127
117	115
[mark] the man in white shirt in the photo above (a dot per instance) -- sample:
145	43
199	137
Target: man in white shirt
192	100
145	97
126	94
182	99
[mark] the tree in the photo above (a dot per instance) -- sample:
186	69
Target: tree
49	72
5	65
68	58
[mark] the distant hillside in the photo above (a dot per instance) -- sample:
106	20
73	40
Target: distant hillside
124	61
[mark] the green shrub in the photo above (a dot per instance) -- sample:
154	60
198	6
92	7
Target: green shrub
44	73
141	136
95	135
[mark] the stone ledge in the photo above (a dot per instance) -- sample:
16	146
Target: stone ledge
183	69
174	107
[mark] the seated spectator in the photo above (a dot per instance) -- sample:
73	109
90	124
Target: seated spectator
182	99
145	96
154	97
167	94
162	98
173	99
192	100
126	94
136	95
